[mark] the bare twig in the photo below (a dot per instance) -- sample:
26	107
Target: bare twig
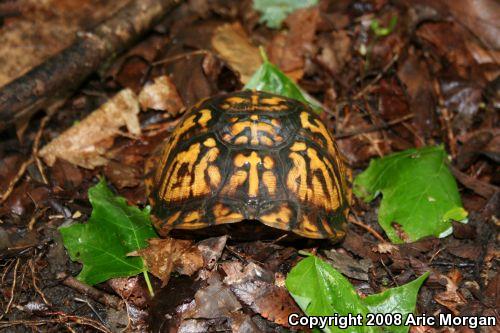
95	294
35	217
62	318
13	288
365	89
52	80
34	279
13	182
36	145
90	306
374	128
180	56
354	220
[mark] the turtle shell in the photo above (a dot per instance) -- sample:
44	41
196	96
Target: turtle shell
251	156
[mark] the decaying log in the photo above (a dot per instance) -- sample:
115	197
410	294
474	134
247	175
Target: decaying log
64	72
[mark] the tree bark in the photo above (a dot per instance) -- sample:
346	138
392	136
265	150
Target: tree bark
64	72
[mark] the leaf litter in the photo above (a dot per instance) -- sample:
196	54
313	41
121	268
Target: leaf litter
415	88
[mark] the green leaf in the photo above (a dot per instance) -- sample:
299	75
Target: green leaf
419	193
320	290
271	79
274	12
380	31
113	230
401	300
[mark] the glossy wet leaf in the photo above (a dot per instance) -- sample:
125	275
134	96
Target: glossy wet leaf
274	12
419	194
320	290
271	79
400	299
103	242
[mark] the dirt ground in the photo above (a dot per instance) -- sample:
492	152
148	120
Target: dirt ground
432	80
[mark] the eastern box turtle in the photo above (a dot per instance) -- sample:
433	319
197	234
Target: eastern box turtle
250	156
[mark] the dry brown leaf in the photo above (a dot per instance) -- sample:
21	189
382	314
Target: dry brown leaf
480	16
233	45
161	95
270	301
163	256
385	248
254	286
288	49
335	50
86	143
451	298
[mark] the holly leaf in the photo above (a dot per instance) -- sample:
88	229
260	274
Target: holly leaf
271	79
274	12
419	194
320	290
113	230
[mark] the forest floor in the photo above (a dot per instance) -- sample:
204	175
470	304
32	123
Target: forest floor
431	78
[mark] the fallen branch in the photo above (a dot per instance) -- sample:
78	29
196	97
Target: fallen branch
54	79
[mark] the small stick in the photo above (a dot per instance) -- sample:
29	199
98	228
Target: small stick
36	145
378	77
180	56
90	306
374	128
354	220
12	289
35	217
95	294
38	290
13	182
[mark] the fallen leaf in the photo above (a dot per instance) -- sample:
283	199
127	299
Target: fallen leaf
215	300
451	298
122	175
85	143
274	12
161	95
113	230
163	256
320	290
347	265
254	286
420	195
447	39
131	290
289	49
270	301
480	16
66	175
335	50
413	72
386	248
211	250
463	98
234	46
271	79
